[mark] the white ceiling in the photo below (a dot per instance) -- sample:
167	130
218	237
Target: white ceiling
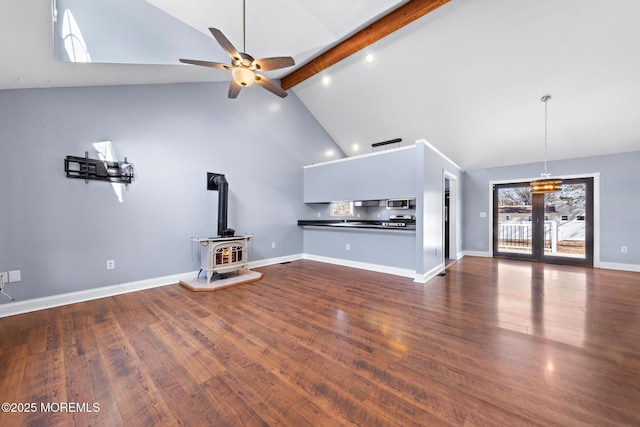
467	77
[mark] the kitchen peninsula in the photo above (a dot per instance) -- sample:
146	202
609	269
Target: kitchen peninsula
362	244
350	220
360	230
390	242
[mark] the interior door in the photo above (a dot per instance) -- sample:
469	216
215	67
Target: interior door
554	227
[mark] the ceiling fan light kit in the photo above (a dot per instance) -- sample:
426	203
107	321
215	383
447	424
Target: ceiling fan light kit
546	184
243	76
243	67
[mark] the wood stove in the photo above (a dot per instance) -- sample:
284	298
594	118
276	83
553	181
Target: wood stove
223	255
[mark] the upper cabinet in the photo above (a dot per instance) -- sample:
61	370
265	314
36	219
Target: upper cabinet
379	175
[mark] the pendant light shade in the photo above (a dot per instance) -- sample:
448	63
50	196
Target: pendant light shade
542	186
546	184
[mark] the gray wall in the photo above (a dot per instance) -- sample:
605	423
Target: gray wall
619	201
59	232
391	248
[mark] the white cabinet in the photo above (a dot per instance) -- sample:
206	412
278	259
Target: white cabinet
376	176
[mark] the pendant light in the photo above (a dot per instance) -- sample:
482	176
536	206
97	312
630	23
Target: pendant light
545	184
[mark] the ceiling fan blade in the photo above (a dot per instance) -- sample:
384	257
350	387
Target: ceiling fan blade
225	44
268	64
206	63
234	89
270	86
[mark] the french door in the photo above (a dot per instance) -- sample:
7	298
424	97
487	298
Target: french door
553	227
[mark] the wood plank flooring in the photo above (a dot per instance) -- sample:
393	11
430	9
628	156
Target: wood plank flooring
493	343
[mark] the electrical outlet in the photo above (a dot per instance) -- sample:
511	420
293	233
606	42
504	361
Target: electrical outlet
273	245
14	276
348	247
111	264
623	249
319	214
5	277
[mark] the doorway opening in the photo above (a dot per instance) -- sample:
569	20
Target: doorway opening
450	218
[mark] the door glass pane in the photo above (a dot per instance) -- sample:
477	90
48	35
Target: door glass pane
565	221
514	219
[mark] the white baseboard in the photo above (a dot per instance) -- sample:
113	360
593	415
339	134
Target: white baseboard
424	278
484	254
35	304
620	266
404	272
277	260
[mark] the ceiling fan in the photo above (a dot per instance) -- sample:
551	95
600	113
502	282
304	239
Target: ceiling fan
243	66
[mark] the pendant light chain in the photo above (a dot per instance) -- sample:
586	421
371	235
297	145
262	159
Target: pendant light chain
545	99
545	184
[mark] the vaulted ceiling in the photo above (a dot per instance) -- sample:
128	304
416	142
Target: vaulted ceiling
467	77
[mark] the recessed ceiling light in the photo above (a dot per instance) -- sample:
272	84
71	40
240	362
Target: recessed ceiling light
329	153
369	58
326	80
355	147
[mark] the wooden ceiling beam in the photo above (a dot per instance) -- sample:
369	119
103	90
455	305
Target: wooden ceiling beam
381	28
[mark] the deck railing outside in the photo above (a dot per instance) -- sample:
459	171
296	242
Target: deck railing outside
517	236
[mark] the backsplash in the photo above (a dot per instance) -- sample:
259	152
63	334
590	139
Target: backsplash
371	213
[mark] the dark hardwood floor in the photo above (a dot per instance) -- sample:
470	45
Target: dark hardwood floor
494	342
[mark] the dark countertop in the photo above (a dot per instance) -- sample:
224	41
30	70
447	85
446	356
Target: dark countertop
339	223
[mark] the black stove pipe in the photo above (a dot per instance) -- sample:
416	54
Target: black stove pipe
223	201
